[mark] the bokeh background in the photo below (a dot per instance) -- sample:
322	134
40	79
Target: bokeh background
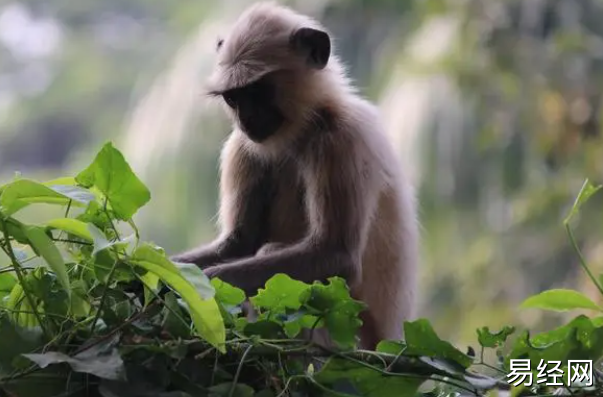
493	106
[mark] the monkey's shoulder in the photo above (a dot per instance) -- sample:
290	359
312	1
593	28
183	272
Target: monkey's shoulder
350	127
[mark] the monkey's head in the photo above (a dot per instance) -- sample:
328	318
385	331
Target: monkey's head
268	69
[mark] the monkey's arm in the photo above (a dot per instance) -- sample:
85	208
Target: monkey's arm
339	205
244	190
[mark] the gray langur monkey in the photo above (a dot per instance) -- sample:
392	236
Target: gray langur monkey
309	184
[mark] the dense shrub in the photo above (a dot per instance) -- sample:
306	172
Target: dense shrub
88	309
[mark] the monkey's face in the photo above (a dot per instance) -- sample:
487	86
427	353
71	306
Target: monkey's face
263	69
254	107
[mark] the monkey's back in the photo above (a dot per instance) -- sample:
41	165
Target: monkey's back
390	256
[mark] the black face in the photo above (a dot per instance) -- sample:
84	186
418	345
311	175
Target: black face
255	107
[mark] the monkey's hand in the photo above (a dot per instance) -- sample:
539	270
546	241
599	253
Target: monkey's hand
269	248
303	262
212	272
223	249
203	257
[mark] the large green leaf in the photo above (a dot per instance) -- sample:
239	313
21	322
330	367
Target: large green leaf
44	247
71	226
204	312
23	192
112	175
560	300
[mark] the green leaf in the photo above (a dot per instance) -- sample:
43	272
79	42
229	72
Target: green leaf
422	340
71	226
76	193
366	381
99	239
294	323
15	341
104	365
79	299
24	192
63	181
586	192
103	263
223	389
560	300
580	339
7	282
265	329
97	215
333	303
112	175
151	286
281	293
172	317
226	293
15	230
488	339
391	347
195	276
44	287
15	298
204	312
44	247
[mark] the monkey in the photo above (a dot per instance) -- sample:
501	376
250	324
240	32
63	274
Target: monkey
309	184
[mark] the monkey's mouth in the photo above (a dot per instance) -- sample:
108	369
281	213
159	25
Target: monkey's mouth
262	126
258	136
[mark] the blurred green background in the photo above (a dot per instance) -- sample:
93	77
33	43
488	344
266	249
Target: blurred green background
494	107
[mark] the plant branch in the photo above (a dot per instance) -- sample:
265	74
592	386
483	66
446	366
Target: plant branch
105	293
581	258
239	368
8	249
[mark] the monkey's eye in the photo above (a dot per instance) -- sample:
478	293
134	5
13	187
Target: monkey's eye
230	99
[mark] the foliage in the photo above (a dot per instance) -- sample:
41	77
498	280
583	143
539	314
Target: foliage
108	315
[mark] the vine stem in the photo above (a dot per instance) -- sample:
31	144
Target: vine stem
581	257
113	332
403	364
105	293
238	373
11	269
111	273
18	271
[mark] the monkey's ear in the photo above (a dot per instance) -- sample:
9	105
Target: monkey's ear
314	45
